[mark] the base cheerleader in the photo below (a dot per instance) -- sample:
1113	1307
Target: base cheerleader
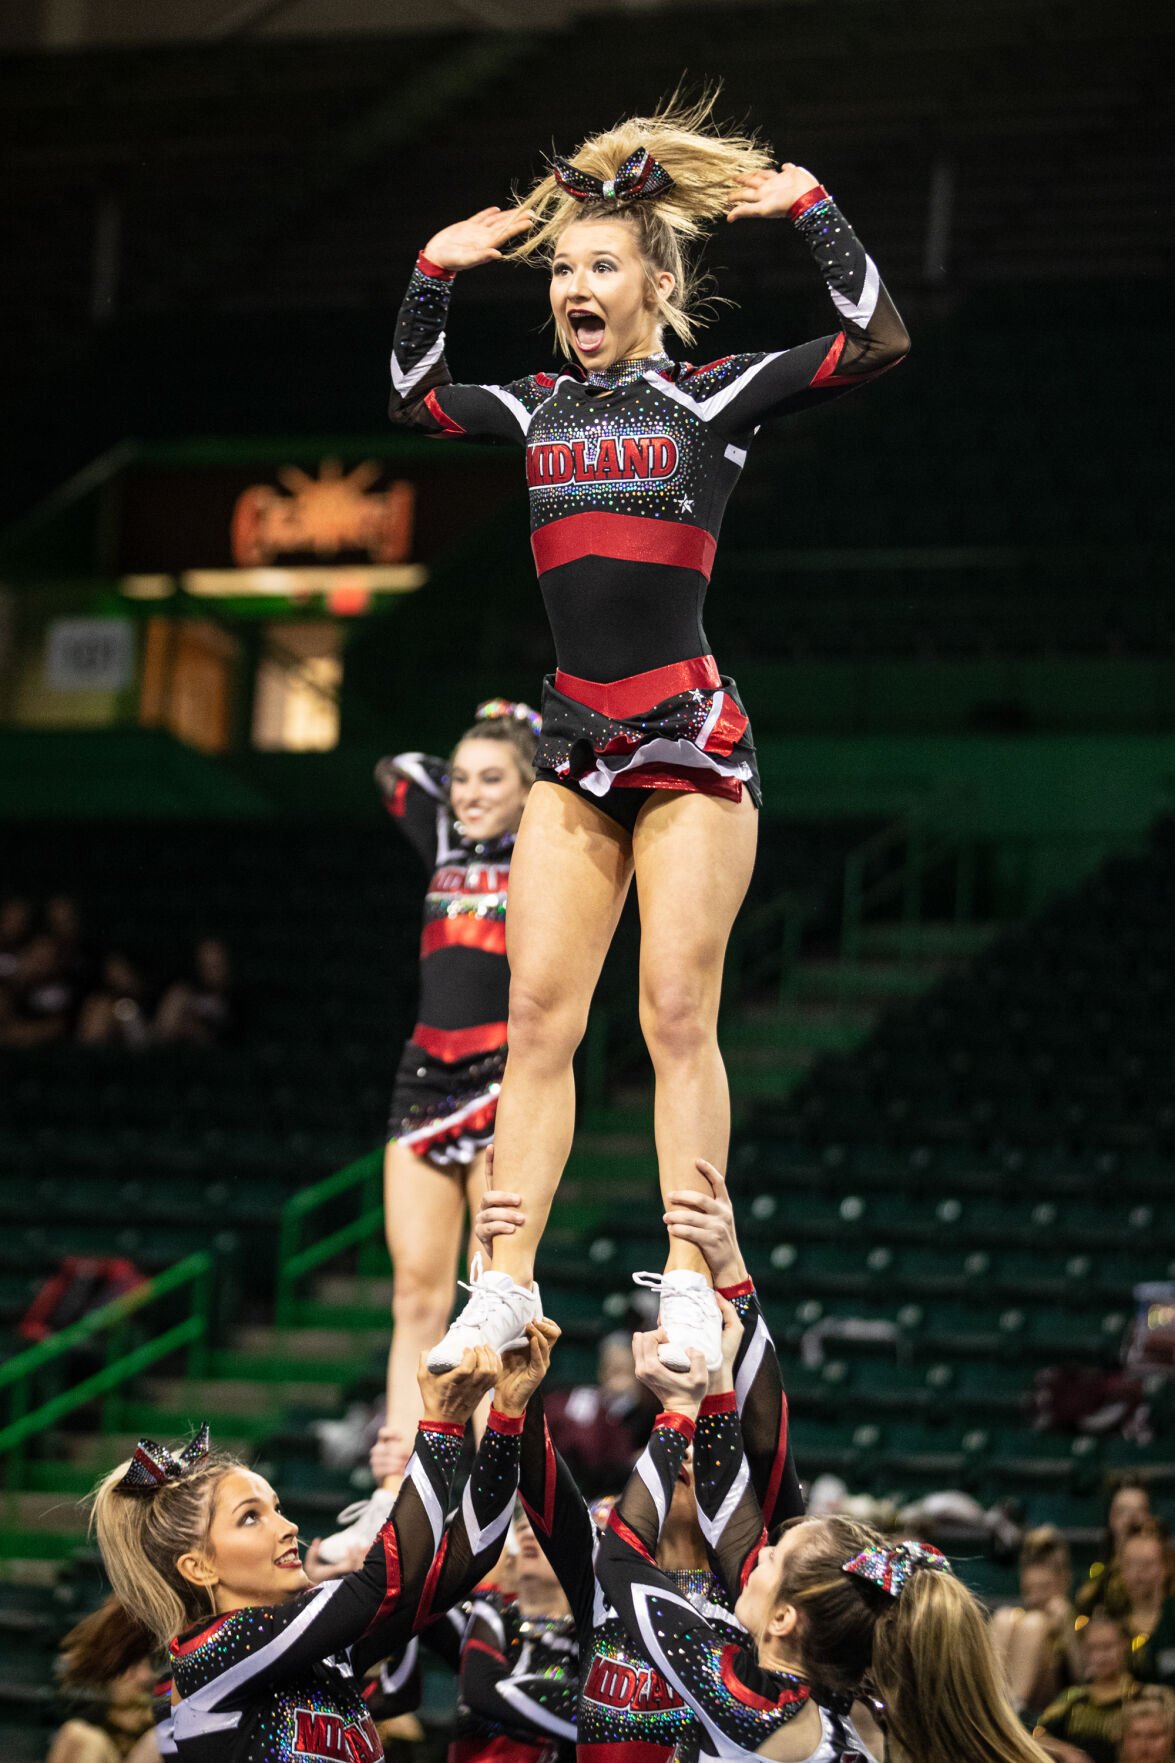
266	1666
646	764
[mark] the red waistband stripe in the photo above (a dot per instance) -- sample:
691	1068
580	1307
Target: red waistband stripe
621	698
465	932
448	1044
628	538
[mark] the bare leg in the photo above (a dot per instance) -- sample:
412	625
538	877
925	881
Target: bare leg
568	880
694	856
424	1210
79	1742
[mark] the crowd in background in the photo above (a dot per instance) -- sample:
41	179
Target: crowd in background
58	983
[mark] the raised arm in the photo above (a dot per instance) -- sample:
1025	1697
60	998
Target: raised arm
732	1698
706	1220
423	394
558	1514
741	391
245	1649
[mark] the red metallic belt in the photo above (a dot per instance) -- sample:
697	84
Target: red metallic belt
622	698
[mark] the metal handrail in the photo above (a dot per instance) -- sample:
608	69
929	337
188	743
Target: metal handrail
295	1261
123	1360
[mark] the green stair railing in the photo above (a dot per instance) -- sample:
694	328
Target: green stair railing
112	1331
360	1183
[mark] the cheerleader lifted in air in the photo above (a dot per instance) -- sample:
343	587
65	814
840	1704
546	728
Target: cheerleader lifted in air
645	762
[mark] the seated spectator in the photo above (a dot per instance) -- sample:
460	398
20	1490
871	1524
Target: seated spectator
39	1004
120	1722
76	960
118	1014
199	1008
1084	1724
601	1428
1146	1568
1130	1507
1030	1638
16	933
1148	1728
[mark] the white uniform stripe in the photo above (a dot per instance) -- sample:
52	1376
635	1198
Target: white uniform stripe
403	379
194	1714
515	406
736	455
708	726
449	1120
713	1528
862	310
705	408
393	1681
751	1361
514	1691
482	1537
652	1481
418	1476
722	1746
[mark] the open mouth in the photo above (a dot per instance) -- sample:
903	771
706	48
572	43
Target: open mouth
588	330
290	1559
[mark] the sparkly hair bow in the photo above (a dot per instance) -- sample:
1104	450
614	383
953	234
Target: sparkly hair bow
494	708
637	180
154	1464
890	1568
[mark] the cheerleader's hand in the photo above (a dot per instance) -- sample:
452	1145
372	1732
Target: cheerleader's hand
479	239
679	1392
769	195
707	1221
524	1369
499	1213
453	1395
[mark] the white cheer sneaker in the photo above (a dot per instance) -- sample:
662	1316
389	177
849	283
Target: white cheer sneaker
364	1519
690	1317
495	1316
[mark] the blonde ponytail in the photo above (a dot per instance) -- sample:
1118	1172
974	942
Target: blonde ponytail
141	1536
937	1676
706	161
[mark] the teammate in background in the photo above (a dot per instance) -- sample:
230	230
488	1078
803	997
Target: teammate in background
645	764
201	1556
461	819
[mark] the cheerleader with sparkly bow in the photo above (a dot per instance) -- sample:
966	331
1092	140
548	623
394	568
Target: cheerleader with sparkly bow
854	1648
461	818
268	1668
646	765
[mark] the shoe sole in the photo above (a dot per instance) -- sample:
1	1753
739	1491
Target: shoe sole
673	1359
448	1363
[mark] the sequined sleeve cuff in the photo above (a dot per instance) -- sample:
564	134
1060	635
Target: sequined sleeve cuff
426	266
809	199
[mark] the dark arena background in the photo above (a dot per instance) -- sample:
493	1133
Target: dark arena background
227	586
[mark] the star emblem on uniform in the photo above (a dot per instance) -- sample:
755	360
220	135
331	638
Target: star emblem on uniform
687	504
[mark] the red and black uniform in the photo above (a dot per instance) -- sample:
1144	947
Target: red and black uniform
277	1683
734	1704
446	1089
628	1712
629	469
518	1687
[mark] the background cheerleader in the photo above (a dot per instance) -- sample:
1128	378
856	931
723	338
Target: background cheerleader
646	764
461	818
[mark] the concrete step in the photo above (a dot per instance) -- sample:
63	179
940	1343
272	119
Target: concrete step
38	1513
248	1397
859	981
939	939
94	1452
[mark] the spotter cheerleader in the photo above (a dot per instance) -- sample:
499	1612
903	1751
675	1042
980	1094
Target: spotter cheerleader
839	1625
645	764
461	819
266	1667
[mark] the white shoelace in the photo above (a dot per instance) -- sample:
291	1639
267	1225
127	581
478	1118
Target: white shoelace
356	1509
483	1299
699	1299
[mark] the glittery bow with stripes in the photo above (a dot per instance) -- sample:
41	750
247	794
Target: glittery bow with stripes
154	1464
638	179
890	1567
495	708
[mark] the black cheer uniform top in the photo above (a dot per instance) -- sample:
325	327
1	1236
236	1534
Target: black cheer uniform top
629	469
283	1682
451	1071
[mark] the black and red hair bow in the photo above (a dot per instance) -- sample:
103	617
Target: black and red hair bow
154	1464
638	179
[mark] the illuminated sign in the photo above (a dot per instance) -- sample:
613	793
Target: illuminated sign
336	514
